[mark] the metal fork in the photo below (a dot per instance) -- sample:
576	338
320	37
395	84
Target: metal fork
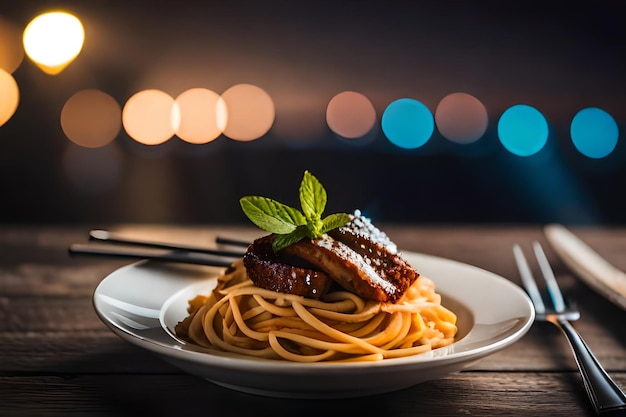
606	397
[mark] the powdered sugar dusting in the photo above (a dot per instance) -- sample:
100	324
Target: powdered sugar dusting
362	263
363	227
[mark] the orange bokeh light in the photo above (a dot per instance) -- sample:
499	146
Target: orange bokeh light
91	118
148	118
11	50
350	115
10	93
461	118
250	112
200	115
53	40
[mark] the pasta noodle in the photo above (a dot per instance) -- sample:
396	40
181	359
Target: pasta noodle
341	326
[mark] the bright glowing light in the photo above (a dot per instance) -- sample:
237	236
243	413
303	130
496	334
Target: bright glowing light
9	96
407	123
461	118
221	114
11	51
198	109
53	40
350	115
523	130
148	117
91	118
249	112
594	132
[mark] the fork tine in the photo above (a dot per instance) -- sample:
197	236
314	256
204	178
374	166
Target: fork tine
548	275
528	280
606	397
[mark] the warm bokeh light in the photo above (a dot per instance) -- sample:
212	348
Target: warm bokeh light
9	96
407	123
594	132
53	40
350	115
11	50
250	112
91	118
201	115
523	130
148	117
461	118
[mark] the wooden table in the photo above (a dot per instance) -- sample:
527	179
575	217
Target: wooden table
58	358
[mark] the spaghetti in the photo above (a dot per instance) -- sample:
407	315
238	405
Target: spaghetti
242	318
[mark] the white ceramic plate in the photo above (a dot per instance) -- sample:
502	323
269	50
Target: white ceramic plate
142	302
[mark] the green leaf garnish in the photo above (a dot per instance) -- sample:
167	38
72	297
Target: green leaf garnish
334	221
271	215
312	196
291	224
282	241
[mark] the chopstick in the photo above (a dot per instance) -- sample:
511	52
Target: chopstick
233	242
196	258
108	245
111	237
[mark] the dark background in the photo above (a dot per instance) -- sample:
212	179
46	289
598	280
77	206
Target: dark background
556	56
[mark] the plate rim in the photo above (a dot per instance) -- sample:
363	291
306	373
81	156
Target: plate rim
162	348
176	351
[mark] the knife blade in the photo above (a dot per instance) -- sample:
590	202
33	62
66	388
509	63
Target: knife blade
587	264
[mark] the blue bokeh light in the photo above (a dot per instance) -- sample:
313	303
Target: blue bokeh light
523	130
594	132
407	123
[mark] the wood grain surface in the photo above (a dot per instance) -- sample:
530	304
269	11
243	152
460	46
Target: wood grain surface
58	358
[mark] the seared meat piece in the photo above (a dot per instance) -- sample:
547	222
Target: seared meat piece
374	245
281	274
357	256
360	265
359	232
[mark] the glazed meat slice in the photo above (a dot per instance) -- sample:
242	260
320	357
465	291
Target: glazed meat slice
358	256
281	273
378	250
359	228
372	271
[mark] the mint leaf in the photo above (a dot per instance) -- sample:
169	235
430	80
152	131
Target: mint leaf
270	215
289	224
334	221
282	241
312	197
